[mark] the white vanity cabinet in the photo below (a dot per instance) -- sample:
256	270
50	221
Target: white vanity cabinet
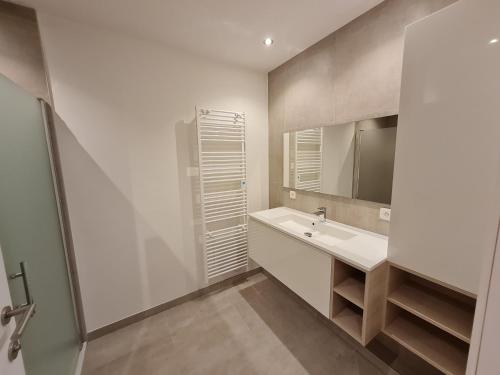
338	269
301	267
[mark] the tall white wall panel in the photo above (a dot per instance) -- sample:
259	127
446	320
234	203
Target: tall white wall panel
445	202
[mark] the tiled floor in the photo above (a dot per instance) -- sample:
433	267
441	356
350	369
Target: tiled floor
255	327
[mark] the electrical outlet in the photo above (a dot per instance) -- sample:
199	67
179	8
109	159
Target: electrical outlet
293	195
385	214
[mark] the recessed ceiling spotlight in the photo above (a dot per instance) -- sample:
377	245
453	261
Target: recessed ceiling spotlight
493	41
268	41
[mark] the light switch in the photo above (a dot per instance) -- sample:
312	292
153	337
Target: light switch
385	214
292	194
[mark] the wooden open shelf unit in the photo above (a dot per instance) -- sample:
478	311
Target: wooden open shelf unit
430	319
348	316
349	282
357	300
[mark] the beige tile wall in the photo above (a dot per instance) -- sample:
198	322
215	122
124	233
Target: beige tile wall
361	214
21	57
352	74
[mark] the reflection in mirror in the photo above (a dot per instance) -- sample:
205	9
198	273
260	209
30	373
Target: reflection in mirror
353	160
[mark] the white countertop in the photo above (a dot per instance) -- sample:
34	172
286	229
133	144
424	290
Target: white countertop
360	248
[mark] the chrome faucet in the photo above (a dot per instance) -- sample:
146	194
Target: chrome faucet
321	213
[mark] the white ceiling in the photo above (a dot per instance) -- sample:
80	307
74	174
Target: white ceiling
225	30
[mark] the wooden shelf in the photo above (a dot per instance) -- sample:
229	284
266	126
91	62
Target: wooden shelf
358	300
441	350
436	308
350	321
353	290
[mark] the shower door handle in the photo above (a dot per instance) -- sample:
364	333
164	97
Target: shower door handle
25	310
26	284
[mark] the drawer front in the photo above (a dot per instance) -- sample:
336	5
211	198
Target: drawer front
301	267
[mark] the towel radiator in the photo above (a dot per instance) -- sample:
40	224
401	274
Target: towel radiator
308	160
222	163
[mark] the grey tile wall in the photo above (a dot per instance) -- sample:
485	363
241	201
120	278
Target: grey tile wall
361	214
21	57
352	74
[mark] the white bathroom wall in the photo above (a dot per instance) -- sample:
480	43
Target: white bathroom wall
127	149
445	199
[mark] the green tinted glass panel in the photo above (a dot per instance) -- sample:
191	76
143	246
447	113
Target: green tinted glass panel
30	231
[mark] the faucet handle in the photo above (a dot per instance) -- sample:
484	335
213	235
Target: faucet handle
321	213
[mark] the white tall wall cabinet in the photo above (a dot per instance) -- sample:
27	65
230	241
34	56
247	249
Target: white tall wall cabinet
446	197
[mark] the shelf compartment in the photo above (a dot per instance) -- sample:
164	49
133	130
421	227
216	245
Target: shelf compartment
443	351
437	307
349	282
348	317
342	271
352	289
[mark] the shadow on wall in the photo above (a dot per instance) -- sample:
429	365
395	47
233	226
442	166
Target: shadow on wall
186	135
119	275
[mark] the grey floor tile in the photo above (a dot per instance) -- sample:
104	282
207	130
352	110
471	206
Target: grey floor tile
255	327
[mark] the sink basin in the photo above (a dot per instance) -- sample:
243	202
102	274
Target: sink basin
365	250
322	232
296	226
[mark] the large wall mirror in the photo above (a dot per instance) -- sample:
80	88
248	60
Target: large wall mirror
354	160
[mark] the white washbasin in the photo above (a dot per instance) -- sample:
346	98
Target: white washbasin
322	232
357	246
295	226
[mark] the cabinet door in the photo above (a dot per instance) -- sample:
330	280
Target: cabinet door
445	195
303	268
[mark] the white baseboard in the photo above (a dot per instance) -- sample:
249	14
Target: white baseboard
81	357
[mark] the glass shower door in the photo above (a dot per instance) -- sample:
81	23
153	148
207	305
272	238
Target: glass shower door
30	232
